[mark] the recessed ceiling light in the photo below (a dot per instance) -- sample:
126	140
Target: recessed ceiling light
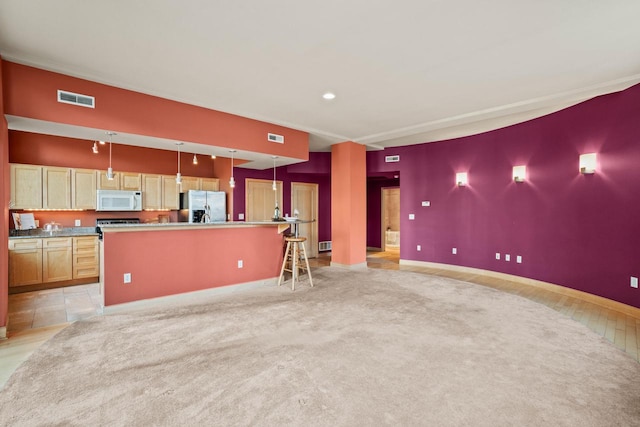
329	95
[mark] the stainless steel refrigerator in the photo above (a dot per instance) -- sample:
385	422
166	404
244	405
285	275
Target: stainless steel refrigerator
202	206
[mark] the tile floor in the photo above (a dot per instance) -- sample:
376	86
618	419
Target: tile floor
37	309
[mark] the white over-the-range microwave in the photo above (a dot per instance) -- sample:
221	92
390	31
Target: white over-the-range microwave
119	200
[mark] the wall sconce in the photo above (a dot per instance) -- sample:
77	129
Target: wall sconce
461	179
519	173
588	163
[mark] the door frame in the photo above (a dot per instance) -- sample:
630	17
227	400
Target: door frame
383	208
313	250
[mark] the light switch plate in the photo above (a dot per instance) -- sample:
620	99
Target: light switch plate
240	263
497	255
507	257
78	223
426	203
454	251
127	278
419	248
240	216
634	282
519	259
412	216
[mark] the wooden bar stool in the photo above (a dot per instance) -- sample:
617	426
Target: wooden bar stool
292	261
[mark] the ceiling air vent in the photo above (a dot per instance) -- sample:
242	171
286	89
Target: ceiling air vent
392	159
76	99
272	137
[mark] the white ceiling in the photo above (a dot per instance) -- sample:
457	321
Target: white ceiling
403	72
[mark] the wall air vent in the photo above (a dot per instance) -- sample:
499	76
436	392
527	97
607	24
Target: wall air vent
324	246
272	137
76	99
392	159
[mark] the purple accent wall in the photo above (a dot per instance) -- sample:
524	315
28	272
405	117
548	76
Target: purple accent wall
284	174
574	230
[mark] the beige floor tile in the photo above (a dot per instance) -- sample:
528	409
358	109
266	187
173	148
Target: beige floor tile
47	318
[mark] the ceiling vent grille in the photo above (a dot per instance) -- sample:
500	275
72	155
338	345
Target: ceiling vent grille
76	99
392	159
272	137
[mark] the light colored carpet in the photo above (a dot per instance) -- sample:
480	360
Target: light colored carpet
372	347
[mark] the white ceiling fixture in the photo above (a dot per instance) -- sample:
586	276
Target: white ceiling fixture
232	181
178	175
329	96
110	169
434	73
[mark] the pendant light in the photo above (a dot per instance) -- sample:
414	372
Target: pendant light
178	176
275	185
232	182
195	160
95	147
110	169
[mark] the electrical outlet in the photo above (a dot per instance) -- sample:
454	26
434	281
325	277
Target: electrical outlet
78	223
634	282
454	251
507	257
426	203
127	277
497	255
412	216
519	259
419	248
240	216
240	263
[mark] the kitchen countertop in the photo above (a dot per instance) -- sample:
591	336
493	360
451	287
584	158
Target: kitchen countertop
187	226
38	233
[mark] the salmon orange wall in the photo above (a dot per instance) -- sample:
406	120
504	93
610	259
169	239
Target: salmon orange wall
171	262
348	204
4	226
31	92
49	150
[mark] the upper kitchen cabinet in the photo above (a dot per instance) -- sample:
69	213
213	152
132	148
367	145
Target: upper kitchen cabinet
189	183
210	184
83	188
56	188
103	183
26	186
159	192
121	181
170	192
130	181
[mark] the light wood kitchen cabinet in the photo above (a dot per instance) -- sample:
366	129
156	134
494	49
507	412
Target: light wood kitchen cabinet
26	186
25	262
130	181
151	191
56	259
189	183
85	257
210	184
103	183
159	192
83	188
121	181
56	188
170	193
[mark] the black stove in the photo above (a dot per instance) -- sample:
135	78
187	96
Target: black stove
105	221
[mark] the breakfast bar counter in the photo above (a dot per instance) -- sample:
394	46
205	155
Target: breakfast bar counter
145	261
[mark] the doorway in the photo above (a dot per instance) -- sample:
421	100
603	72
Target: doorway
390	231
304	198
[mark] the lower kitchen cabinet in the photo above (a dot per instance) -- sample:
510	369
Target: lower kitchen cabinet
25	262
56	259
85	257
49	260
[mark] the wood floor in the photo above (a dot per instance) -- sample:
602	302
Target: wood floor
623	330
